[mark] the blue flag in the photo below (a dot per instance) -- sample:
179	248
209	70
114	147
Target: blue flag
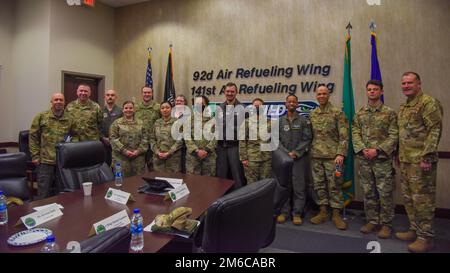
148	75
375	73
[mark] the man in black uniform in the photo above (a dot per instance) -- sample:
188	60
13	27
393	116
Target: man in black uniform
229	117
110	112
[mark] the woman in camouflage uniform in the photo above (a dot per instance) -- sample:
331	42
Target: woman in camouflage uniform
166	150
201	152
129	141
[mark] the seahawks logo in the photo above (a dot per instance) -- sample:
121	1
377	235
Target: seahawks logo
305	107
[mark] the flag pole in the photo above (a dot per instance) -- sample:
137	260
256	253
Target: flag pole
372	26
349	30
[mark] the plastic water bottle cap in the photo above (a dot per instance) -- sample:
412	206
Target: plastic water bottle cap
50	238
136	211
117	163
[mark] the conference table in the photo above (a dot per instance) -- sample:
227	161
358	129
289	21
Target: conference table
81	212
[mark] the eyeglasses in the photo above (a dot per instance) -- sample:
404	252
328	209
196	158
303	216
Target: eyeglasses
373	89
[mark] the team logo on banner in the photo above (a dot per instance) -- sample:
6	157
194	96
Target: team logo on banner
276	109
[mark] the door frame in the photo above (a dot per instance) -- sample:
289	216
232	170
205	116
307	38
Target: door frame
100	86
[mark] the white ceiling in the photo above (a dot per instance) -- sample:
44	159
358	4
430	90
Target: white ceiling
121	3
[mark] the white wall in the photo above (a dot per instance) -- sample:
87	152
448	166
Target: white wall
81	40
30	62
6	33
39	39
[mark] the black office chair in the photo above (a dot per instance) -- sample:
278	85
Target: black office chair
241	221
24	143
81	161
31	168
13	180
116	240
282	169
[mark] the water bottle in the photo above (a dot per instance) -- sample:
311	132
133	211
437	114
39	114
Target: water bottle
137	231
338	170
118	175
3	209
50	245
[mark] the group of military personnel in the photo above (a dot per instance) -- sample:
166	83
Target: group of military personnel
140	136
379	136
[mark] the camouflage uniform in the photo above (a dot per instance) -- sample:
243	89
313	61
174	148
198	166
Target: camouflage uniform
148	114
129	135
259	162
46	131
161	141
296	136
376	128
330	138
194	165
88	118
420	128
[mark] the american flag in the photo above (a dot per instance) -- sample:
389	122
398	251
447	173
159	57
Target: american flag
148	75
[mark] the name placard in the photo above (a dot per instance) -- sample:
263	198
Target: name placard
118	196
47	206
41	216
178	192
119	219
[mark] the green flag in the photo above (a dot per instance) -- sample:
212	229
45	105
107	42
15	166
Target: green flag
349	110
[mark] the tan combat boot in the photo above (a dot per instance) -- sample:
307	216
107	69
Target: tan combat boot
281	219
385	232
321	217
368	228
421	245
406	236
297	220
337	220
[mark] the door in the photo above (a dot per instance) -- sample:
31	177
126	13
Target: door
71	81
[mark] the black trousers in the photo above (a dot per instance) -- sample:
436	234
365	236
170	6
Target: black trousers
229	166
183	157
108	154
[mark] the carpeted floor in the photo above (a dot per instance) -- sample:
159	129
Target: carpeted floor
325	238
